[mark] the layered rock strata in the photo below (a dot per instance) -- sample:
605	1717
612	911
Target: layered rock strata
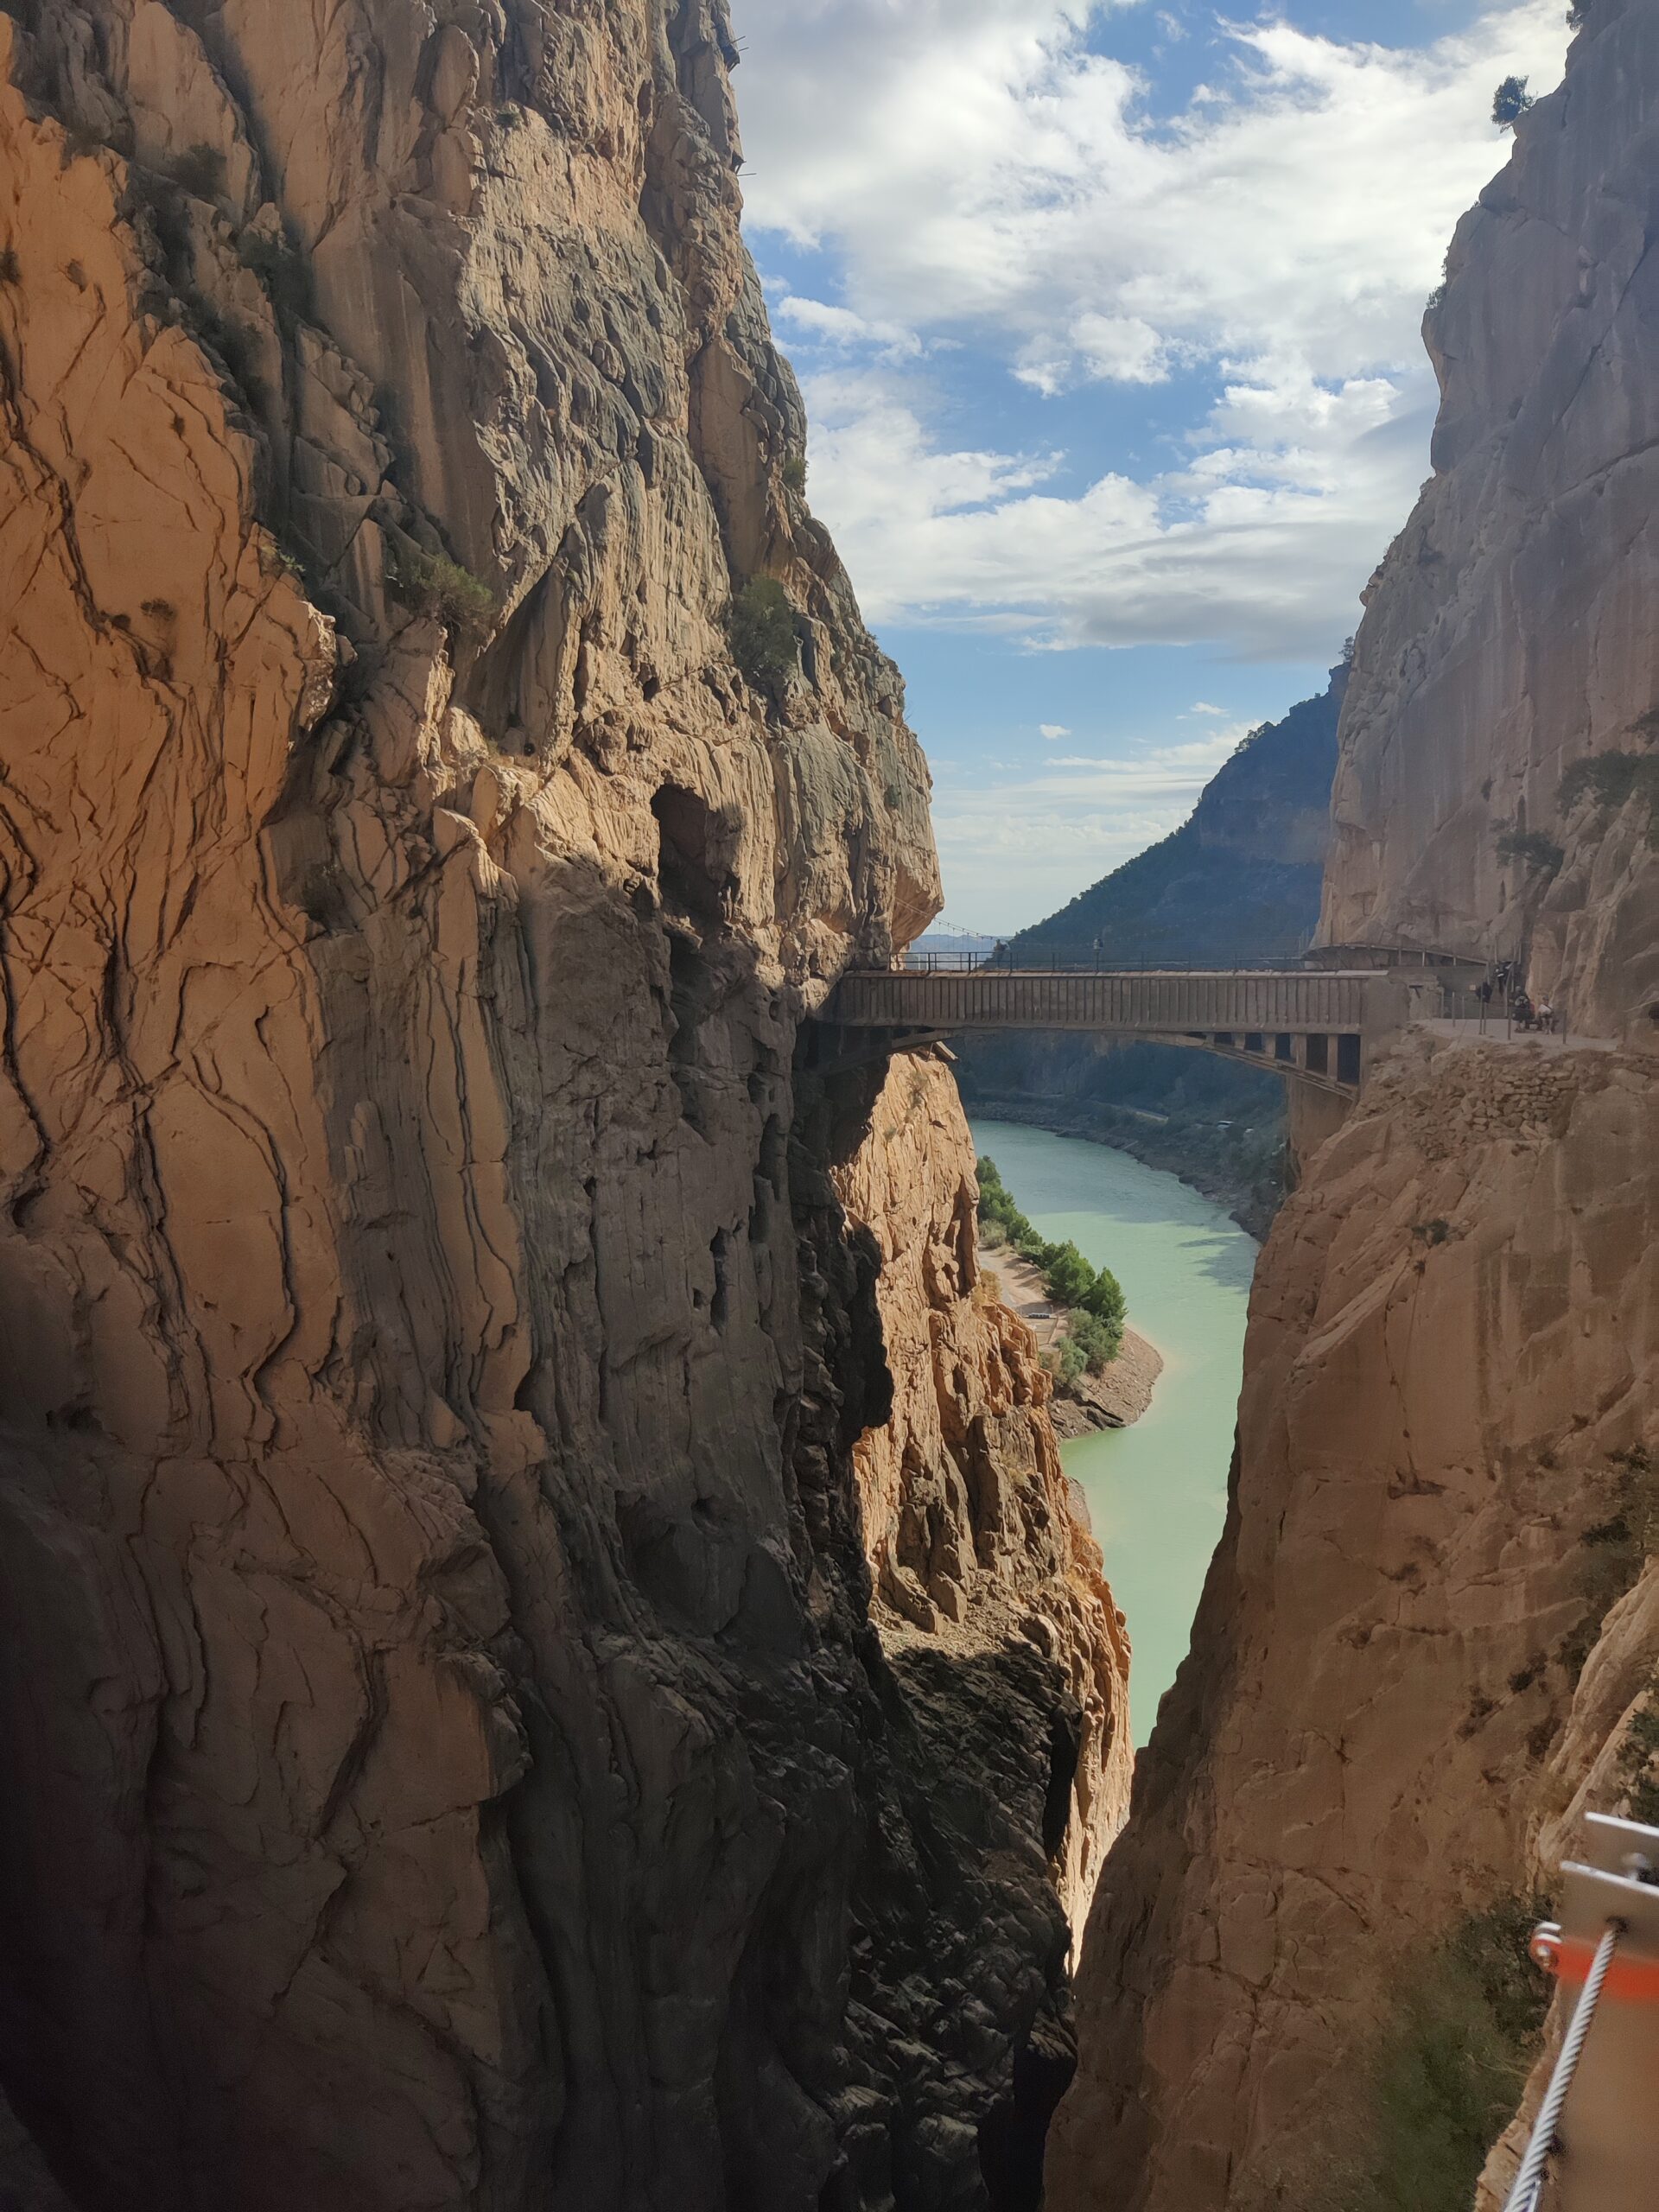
450	1761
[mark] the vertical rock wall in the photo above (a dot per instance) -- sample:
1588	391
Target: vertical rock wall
1508	636
964	1501
449	1760
1453	1345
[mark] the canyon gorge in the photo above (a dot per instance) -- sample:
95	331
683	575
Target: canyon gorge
547	1655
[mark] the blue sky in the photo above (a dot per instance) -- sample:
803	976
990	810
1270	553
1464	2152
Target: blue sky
1106	313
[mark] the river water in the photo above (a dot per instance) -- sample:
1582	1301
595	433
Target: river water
1156	1492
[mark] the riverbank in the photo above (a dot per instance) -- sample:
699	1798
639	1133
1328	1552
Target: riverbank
1156	1490
1112	1399
1238	1168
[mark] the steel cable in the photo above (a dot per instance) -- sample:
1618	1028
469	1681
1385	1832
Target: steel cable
1529	2182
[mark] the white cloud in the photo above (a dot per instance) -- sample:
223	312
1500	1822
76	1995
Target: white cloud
822	322
1051	730
1013	850
1260	544
977	173
1203	707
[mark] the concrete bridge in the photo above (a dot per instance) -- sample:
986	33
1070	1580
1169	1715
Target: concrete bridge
1317	1027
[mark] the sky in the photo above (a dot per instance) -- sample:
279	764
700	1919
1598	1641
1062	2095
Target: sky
1108	316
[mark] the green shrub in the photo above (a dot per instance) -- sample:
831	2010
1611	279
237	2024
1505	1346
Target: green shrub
434	584
1098	1342
1510	102
1069	1359
1636	1757
1464	2023
795	471
761	627
1621	1547
1094	1330
1070	1276
1612	779
1531	849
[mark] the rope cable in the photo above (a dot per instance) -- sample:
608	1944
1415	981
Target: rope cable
1529	2182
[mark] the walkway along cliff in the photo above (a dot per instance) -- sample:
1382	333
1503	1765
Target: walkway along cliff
544	1657
1431	1635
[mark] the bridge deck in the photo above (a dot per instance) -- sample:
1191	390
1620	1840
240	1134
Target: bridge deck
1313	1025
1174	1003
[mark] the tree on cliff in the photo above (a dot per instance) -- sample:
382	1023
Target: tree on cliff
1510	102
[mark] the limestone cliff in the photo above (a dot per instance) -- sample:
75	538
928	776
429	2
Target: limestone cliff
964	1497
449	1758
1431	1633
1453	1348
1498	791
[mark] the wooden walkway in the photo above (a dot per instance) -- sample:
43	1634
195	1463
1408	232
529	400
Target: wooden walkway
1313	1025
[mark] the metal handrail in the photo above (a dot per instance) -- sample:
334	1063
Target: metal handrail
985	963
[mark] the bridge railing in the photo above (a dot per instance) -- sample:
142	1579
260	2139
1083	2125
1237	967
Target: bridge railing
1168	1002
986	963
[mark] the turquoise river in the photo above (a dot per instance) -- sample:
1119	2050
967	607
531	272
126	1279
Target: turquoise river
1156	1492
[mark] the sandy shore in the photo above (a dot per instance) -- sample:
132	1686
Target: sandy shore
1113	1400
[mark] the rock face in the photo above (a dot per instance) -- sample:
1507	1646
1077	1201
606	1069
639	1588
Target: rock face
449	1761
1431	1634
965	1505
1454	1334
1508	637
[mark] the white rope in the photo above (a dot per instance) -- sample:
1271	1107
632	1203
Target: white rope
1529	2182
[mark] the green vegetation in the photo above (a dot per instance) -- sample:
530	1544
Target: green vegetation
1453	2061
1463	2025
1093	1296
1637	1757
761	627
795	471
432	584
1620	1547
1612	779
1510	102
1530	848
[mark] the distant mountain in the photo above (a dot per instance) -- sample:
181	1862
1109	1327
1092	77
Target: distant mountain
941	938
1241	875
